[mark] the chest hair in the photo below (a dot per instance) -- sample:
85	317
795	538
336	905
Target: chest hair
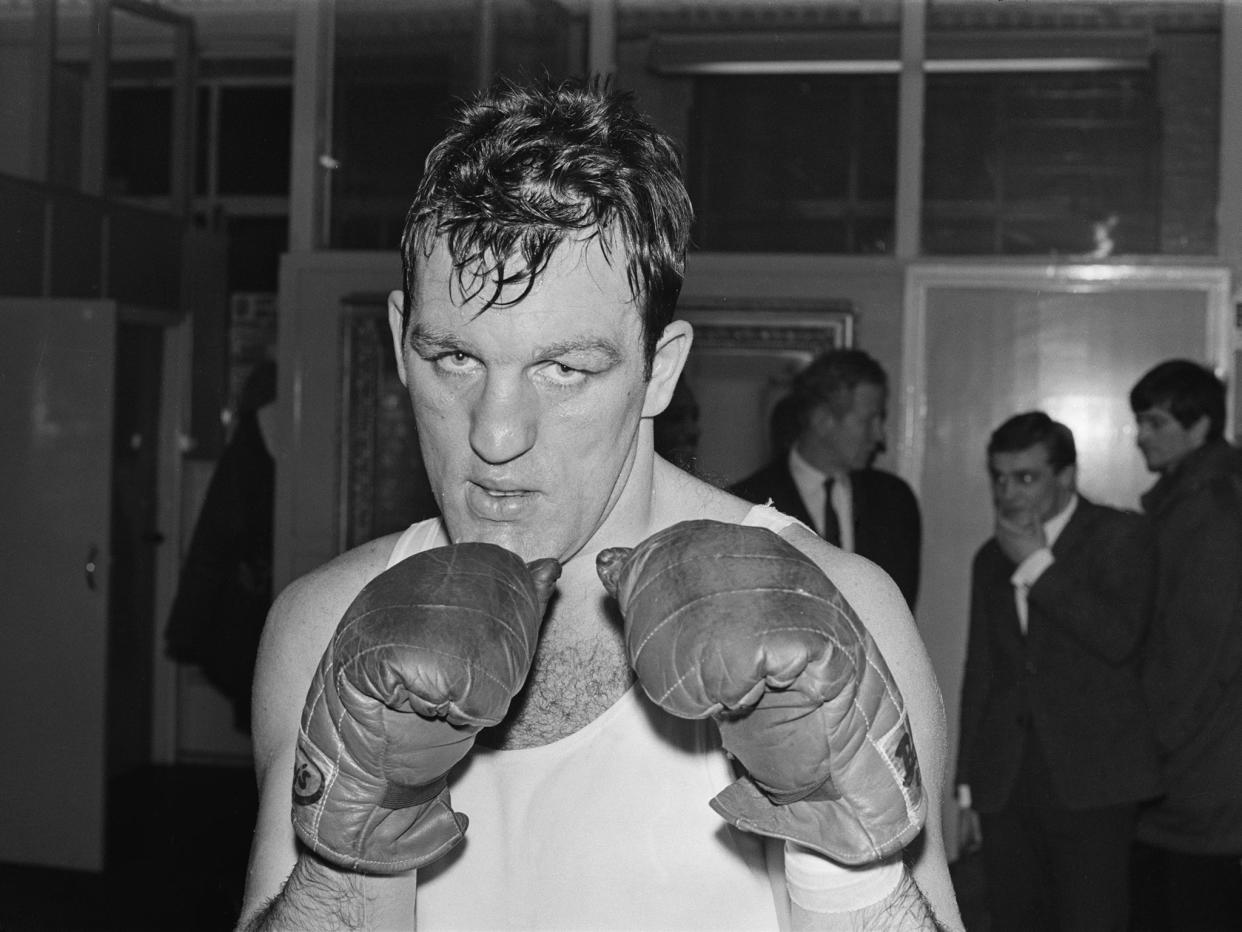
572	681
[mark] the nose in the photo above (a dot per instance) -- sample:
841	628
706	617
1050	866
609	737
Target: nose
879	436
504	420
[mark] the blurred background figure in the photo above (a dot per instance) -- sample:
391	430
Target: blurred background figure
1189	860
1055	750
827	434
225	586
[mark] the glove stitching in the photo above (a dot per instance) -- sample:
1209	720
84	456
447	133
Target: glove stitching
336	770
754	635
846	612
748	590
426	858
650	577
419	606
897	780
473	667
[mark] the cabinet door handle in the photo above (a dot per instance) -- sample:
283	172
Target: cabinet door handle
92	559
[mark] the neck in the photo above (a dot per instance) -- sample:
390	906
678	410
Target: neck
629	518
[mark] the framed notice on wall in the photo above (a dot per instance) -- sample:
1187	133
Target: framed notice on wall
383	485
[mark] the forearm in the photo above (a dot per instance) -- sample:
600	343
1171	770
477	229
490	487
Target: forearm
318	897
902	909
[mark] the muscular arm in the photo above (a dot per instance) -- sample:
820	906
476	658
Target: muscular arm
286	887
879	604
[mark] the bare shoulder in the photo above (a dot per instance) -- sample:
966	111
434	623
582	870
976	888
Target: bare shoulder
299	625
881	608
865	586
679	496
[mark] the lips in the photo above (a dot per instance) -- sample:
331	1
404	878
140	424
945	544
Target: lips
499	502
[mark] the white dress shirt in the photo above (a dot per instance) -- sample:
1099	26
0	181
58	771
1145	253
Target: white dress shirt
810	483
1034	566
1023	578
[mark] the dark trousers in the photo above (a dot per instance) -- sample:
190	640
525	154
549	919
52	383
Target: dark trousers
1176	892
1050	868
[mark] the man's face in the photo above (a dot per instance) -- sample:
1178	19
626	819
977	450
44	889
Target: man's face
1024	484
527	415
1162	439
852	439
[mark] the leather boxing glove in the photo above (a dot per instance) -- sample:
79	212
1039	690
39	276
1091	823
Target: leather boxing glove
430	652
735	623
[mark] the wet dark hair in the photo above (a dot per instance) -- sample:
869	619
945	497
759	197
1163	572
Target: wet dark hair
827	378
1187	389
1023	431
526	168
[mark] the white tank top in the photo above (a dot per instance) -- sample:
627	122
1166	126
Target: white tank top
608	828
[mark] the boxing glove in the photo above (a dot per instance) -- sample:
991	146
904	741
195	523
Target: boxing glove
430	652
735	623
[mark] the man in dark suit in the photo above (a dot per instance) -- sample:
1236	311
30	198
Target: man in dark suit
1056	749
822	473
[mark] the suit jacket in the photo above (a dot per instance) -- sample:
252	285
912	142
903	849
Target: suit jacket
1193	666
1072	680
888	529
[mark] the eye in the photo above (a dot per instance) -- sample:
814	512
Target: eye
562	375
455	362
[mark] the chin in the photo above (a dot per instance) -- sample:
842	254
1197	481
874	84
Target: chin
523	540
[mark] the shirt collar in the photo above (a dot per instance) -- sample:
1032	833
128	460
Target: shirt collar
803	472
1056	524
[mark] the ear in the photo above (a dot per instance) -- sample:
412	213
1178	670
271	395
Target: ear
670	358
821	419
1198	431
395	301
1067	478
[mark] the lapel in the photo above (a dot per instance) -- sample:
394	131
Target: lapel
1012	629
1075	530
1068	541
785	495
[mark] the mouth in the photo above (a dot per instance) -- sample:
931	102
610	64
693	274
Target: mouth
499	501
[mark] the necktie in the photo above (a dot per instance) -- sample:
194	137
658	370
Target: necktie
832	525
1020	589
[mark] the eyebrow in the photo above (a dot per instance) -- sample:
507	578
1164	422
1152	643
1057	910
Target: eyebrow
423	337
606	348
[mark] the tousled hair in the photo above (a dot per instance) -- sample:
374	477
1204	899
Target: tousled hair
526	168
1023	431
1187	389
828	378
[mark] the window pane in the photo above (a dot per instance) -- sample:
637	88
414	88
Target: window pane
803	163
202	139
1041	163
255	245
255	123
139	141
384	129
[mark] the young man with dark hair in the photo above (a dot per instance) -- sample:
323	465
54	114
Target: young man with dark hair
1191	839
1055	749
535	333
825	477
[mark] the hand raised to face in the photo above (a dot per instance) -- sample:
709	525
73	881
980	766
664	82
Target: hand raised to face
1019	533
